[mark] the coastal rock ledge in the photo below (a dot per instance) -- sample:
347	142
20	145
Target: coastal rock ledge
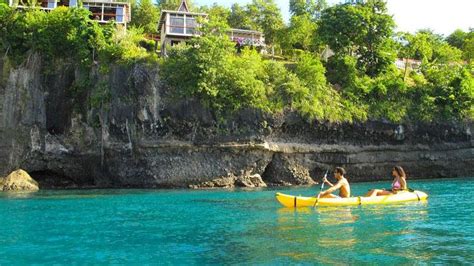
232	181
18	180
70	127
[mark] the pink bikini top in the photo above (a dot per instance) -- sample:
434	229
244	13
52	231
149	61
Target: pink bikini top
396	185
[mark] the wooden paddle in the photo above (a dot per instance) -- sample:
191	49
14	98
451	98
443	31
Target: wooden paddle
322	186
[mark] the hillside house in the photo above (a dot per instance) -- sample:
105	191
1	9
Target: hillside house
180	25
102	10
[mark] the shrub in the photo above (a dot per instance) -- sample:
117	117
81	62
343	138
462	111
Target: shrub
210	71
447	93
124	47
68	33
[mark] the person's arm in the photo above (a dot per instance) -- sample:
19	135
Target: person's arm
403	183
325	180
331	189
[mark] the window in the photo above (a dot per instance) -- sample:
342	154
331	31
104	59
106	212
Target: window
191	25
176	23
51	4
109	13
64	3
96	12
119	15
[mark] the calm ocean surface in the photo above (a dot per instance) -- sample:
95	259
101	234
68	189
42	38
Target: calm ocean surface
238	226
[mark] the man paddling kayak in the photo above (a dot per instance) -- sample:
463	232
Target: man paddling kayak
342	184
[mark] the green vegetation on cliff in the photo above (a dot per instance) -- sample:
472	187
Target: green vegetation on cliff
360	81
209	69
67	33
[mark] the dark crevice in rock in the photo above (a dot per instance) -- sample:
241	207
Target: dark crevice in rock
58	101
267	173
48	179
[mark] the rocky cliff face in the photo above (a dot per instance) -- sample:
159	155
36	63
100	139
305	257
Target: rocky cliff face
74	128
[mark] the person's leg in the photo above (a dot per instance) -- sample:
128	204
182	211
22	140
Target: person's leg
371	193
384	193
374	192
331	196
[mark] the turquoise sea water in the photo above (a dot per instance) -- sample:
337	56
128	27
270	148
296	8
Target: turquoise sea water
239	226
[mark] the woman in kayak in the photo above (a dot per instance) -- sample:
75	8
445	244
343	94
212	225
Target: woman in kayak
399	183
342	184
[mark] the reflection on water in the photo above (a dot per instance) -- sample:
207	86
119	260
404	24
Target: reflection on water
336	216
350	229
17	195
55	195
321	228
324	215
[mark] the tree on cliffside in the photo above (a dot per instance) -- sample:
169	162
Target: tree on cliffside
12	32
364	30
267	16
312	8
429	47
456	39
61	33
240	18
468	47
217	12
445	93
316	99
146	15
263	15
300	34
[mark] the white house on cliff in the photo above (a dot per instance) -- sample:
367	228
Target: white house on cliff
177	26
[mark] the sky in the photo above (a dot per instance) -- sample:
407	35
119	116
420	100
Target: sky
442	16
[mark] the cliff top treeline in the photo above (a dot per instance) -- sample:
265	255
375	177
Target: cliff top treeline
360	81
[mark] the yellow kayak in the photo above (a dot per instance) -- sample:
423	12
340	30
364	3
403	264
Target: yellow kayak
402	196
